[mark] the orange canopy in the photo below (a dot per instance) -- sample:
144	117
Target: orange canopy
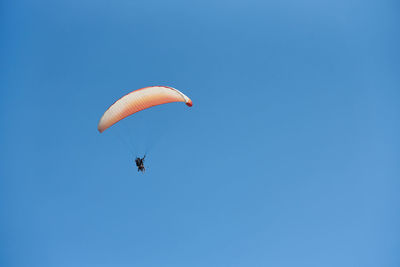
139	100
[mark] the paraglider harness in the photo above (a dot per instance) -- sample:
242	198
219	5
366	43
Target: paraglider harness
140	164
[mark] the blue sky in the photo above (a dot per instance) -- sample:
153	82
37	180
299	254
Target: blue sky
288	157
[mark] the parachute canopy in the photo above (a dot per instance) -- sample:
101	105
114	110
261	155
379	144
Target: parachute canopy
139	100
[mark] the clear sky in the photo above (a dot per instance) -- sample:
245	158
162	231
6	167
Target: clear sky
289	156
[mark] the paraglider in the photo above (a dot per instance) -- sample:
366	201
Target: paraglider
139	100
140	164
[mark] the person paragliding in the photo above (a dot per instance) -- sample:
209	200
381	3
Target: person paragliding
139	100
140	164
